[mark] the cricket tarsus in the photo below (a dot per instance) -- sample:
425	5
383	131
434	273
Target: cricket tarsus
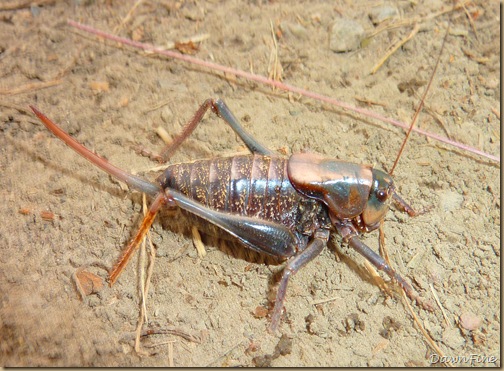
277	206
406	208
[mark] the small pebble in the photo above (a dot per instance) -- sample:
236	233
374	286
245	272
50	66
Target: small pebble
346	35
450	201
453	339
382	13
470	321
294	29
35	10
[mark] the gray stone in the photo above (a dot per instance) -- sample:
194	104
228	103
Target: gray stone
346	35
382	13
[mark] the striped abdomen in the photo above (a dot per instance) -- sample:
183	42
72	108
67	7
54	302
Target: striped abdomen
249	185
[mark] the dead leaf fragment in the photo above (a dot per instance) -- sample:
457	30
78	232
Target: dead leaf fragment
88	283
99	86
186	47
47	215
260	312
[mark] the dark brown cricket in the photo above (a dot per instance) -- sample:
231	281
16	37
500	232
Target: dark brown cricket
282	207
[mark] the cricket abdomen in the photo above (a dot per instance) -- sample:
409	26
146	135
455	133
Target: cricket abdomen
249	185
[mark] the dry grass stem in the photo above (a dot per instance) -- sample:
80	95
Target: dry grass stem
394	48
200	247
127	17
144	284
436	297
193	39
429	340
274	67
163	134
30	87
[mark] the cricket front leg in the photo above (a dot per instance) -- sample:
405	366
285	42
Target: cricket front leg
350	236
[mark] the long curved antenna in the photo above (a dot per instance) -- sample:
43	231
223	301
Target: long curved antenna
422	101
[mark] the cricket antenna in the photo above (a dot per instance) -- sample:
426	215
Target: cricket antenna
422	101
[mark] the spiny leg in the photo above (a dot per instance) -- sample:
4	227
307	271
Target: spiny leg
407	208
170	149
350	236
221	110
160	200
313	249
135	182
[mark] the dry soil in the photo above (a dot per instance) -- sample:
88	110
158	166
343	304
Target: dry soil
61	215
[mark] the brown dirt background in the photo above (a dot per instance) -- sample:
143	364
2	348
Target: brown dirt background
455	247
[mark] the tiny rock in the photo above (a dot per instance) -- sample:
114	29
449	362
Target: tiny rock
450	201
294	29
470	321
346	35
99	86
382	13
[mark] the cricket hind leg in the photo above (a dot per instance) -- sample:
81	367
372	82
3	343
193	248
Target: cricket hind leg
159	201
221	110
264	237
142	185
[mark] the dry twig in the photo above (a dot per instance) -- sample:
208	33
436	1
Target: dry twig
30	87
127	17
277	84
394	48
16	5
430	341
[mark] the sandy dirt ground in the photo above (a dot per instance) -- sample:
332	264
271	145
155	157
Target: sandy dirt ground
62	216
